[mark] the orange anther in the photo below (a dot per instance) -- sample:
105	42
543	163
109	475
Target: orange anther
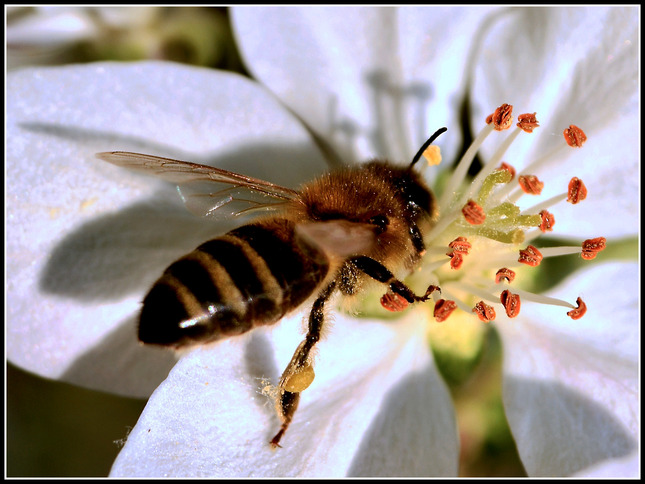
530	256
456	260
591	247
530	184
508	168
579	311
444	308
527	122
548	221
460	245
511	303
504	273
502	118
394	302
473	213
574	136
577	191
485	312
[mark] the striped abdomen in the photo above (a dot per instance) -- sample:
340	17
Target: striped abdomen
251	276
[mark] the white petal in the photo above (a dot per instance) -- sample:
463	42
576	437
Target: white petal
623	467
609	166
579	62
85	239
571	66
377	407
571	387
371	81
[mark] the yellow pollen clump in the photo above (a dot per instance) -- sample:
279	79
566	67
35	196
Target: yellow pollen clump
432	155
300	380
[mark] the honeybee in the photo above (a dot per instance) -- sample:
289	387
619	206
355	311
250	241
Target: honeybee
343	228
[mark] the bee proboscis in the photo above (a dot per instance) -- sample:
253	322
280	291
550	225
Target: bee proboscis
358	223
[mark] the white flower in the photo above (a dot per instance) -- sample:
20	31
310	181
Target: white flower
85	240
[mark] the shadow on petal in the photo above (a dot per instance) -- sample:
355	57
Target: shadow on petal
389	97
82	136
122	253
122	364
261	367
413	435
572	434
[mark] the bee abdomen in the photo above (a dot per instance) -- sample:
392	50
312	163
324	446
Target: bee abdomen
249	277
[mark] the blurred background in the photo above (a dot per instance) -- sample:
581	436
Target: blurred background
55	429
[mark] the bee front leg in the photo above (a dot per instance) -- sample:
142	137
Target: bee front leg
299	373
378	271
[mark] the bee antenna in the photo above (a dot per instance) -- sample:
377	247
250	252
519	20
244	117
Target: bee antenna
425	145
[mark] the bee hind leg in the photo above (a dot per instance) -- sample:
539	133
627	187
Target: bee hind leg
299	373
287	405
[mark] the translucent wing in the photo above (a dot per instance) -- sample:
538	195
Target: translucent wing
207	190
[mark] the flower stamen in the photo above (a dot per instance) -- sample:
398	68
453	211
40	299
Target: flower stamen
443	308
530	184
473	213
574	136
548	221
578	312
504	274
511	303
591	247
530	256
394	302
462	168
485	312
577	191
483	229
527	122
502	117
508	168
460	245
551	301
456	260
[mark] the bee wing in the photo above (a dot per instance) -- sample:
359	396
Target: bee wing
206	190
339	237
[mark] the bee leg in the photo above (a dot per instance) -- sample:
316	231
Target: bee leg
378	271
299	373
287	405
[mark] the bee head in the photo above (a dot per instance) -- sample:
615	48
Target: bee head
418	199
409	188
